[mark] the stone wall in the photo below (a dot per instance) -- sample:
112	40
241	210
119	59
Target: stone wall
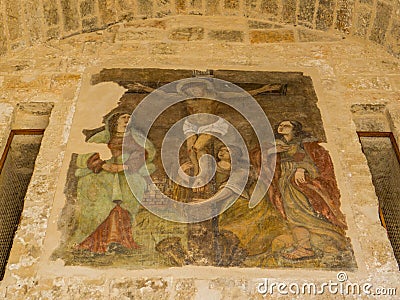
350	77
27	22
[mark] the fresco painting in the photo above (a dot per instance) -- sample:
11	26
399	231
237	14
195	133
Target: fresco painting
298	223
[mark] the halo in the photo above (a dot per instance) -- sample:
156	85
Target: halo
190	82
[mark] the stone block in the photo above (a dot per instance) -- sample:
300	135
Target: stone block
145	7
126	5
3	38
306	11
53	33
269	6
70	15
37	82
147	34
33	25
381	23
324	19
395	30
344	13
308	35
6	113
163	49
50	12
369	83
107	11
363	21
90	24
260	25
13	19
289	11
187	34
212	7
196	4
154	23
163	8
250	5
87	8
231	4
180	6
369	2
271	36
226	35
126	16
393	40
65	79
185	289
16	65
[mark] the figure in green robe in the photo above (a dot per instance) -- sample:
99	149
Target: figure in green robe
103	183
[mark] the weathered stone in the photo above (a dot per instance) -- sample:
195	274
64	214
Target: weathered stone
163	49
269	6
306	12
344	15
70	15
33	25
13	19
163	8
369	2
381	22
3	38
33	115
53	33
185	289
126	16
363	21
50	12
107	11
308	35
226	35
395	82
394	38
139	34
212	7
395	30
64	79
145	7
161	24
289	11
271	36
126	5
231	4
87	8
324	19
187	34
180	6
259	25
250	5
90	24
196	4
38	82
6	113
16	65
369	83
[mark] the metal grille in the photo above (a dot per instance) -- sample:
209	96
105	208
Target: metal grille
385	169
14	180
